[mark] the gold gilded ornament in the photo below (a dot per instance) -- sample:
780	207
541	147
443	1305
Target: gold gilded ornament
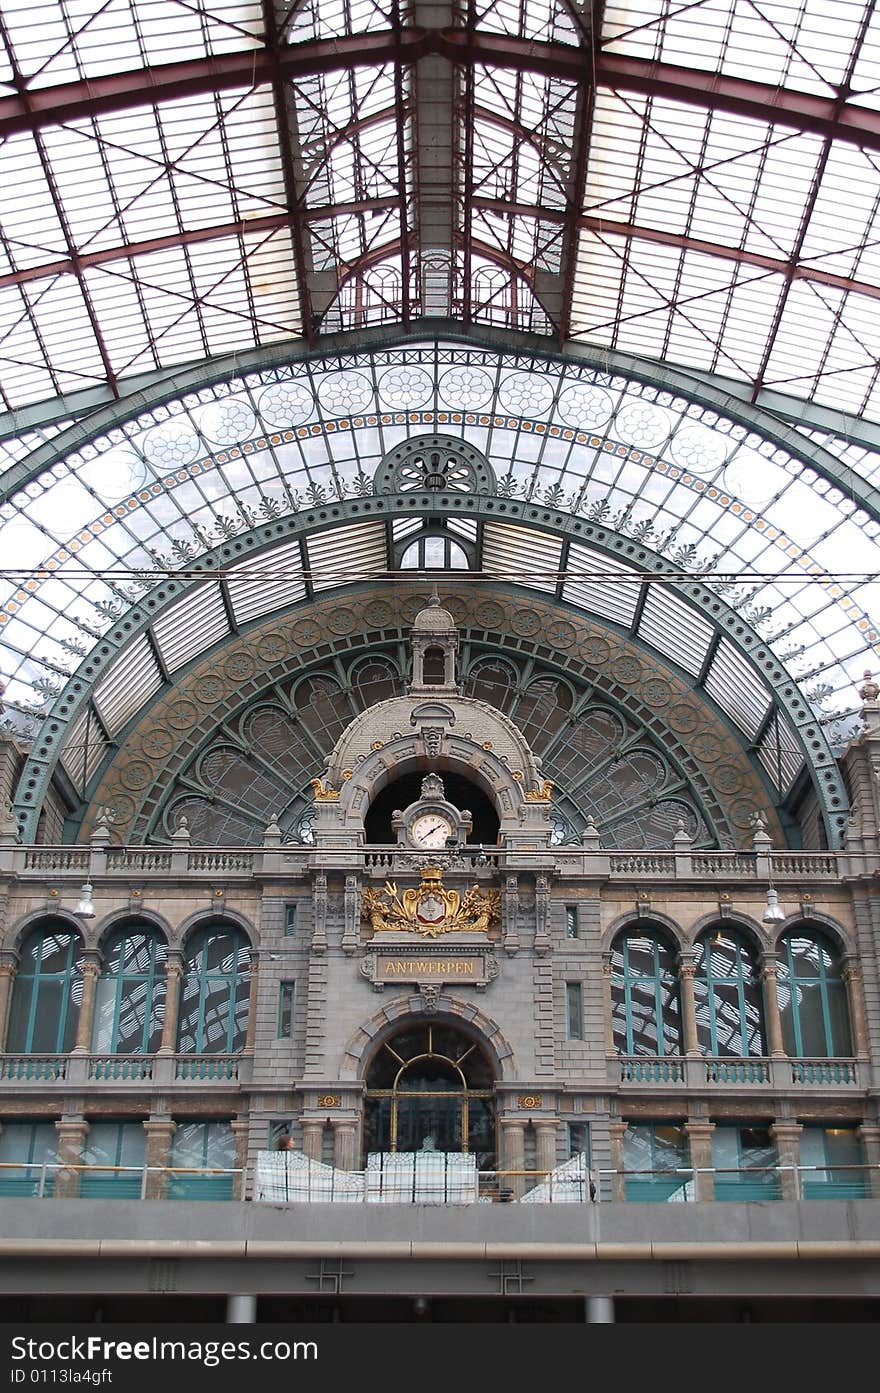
429	909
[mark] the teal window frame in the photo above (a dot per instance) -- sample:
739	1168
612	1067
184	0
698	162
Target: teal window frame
717	978
649	1154
286	1001
32	1145
755	1154
140	993
31	983
639	999
824	984
290	917
221	994
834	1180
113	1142
574	1010
198	1144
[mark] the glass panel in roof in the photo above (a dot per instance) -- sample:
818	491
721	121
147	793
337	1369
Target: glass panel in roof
550	21
737	688
63	43
176	481
132	680
191	625
674	627
805	44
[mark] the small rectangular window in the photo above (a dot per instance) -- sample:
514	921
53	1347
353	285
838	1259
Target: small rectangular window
285	1010
574	1010
290	918
579	1139
571	921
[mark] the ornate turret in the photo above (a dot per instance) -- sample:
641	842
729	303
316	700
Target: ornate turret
434	641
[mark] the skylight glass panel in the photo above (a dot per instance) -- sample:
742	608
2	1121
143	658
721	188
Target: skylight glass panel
522	555
601	584
266	582
674	627
84	748
132	680
191	625
737	688
346	554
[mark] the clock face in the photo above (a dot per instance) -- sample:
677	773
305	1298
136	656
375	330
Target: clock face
431	830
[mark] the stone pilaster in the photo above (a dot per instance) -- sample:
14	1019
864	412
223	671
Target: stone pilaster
687	971
351	907
772	1021
699	1135
869	1132
542	916
787	1137
319	931
512	1135
91	971
173	979
252	1002
510	940
852	976
160	1134
607	1004
616	1132
72	1133
8	969
345	1148
545	1138
312	1136
240	1129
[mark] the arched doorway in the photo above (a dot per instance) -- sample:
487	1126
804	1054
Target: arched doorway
430	1085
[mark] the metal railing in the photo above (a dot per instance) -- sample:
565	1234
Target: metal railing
680	1184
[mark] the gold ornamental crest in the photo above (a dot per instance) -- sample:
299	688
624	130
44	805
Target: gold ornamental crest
429	909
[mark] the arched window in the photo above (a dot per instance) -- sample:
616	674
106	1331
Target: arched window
646	1011
431	1081
48	991
727	993
812	998
433	553
130	997
214	996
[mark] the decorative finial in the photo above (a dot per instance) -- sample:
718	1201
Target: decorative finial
869	691
434	598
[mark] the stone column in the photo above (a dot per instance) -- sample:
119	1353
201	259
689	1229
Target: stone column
513	1154
852	976
870	1136
345	1134
312	1135
173	979
699	1134
545	1143
616	1134
607	1017
160	1134
240	1130
8	969
72	1132
252	1003
241	1308
787	1137
600	1310
773	1024
687	971
91	971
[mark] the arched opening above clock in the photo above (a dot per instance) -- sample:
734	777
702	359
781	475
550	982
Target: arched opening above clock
407	790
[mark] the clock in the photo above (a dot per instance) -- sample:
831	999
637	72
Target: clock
431	830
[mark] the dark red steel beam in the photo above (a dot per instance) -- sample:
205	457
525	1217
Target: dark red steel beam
73	265
824	116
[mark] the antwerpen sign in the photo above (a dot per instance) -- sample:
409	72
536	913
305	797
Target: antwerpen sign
418	966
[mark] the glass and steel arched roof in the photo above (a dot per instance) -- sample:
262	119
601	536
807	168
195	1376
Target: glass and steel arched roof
627	251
